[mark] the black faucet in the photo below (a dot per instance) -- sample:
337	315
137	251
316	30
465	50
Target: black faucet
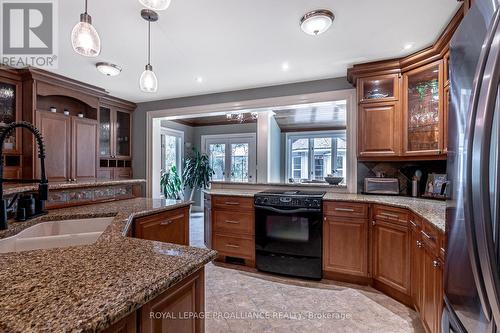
43	183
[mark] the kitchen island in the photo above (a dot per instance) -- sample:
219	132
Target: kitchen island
98	286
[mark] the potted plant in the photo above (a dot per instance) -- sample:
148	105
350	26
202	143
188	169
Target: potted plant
197	172
171	184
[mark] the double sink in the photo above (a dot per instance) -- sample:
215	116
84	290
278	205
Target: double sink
55	234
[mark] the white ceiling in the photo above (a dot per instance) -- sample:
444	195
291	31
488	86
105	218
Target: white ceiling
238	44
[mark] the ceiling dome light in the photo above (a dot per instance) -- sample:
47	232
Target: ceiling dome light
155	4
108	69
317	21
84	38
148	81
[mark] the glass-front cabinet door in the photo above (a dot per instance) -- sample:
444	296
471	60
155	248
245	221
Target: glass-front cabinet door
122	134
422	110
10	102
378	88
105	132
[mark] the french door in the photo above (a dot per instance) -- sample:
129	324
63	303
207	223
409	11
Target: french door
233	157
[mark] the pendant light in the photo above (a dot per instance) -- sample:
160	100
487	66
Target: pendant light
155	4
148	81
84	38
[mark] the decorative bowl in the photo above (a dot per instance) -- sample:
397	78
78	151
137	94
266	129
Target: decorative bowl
334	180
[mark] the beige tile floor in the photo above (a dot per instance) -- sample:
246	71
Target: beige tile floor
242	301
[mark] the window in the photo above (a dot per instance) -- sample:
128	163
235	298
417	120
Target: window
232	156
171	149
313	155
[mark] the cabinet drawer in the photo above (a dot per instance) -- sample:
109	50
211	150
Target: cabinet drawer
241	247
167	227
232	202
233	222
123	173
346	209
430	237
390	214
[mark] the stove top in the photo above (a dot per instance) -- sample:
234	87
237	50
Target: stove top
316	194
289	199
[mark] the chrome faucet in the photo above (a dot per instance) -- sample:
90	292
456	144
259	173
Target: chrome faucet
43	183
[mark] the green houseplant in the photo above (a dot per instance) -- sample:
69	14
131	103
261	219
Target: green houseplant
171	184
197	172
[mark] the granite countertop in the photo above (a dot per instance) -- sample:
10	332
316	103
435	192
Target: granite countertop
19	188
88	288
432	210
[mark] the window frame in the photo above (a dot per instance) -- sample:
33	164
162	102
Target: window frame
179	147
311	135
227	140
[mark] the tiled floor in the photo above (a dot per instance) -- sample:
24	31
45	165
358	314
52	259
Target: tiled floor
242	301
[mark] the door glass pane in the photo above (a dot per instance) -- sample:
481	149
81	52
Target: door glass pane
169	151
340	160
300	158
423	110
8	112
378	88
322	162
105	132
122	133
217	156
239	162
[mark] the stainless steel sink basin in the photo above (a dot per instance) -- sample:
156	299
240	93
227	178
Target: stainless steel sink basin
55	234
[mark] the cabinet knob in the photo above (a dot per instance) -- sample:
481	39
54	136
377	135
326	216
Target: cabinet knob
373	222
419	244
435	264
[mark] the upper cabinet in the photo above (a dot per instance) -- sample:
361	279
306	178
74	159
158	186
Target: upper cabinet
115	129
422	110
403	103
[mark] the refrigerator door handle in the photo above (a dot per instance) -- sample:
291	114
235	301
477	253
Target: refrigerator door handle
480	171
472	245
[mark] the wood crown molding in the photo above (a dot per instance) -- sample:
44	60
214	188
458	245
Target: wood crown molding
420	58
118	102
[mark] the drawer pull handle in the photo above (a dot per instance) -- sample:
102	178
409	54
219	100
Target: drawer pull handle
344	210
233	246
426	235
232	203
392	216
167	222
232	222
413	224
435	264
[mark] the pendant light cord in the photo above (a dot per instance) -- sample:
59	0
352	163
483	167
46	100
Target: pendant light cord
85	6
149	42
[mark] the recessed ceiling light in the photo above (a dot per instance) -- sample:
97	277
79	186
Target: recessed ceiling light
408	46
108	69
317	21
199	79
285	66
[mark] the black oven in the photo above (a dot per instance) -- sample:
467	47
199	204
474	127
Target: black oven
288	233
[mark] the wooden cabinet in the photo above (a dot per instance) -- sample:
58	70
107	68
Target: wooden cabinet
207	215
416	255
391	248
379	131
11	95
422	110
70	144
432	291
378	89
169	227
115	132
446	114
179	309
232	227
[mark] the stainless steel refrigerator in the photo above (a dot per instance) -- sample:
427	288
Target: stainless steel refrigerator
472	270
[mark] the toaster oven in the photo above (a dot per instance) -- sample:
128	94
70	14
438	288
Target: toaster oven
381	186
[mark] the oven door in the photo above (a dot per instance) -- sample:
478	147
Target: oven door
293	232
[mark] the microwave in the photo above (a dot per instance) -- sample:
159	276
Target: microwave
381	186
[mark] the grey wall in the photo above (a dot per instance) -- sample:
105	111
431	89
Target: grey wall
274	149
139	116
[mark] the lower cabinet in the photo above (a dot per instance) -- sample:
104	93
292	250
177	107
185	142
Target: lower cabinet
179	310
391	255
345	245
416	254
169	227
432	290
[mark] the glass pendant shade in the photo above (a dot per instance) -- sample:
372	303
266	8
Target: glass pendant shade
148	81
155	4
84	38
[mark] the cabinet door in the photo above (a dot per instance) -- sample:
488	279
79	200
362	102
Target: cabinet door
56	132
84	148
122	134
168	227
345	246
174	307
380	88
10	104
422	110
391	255
416	255
429	309
207	214
105	132
446	112
378	131
126	325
